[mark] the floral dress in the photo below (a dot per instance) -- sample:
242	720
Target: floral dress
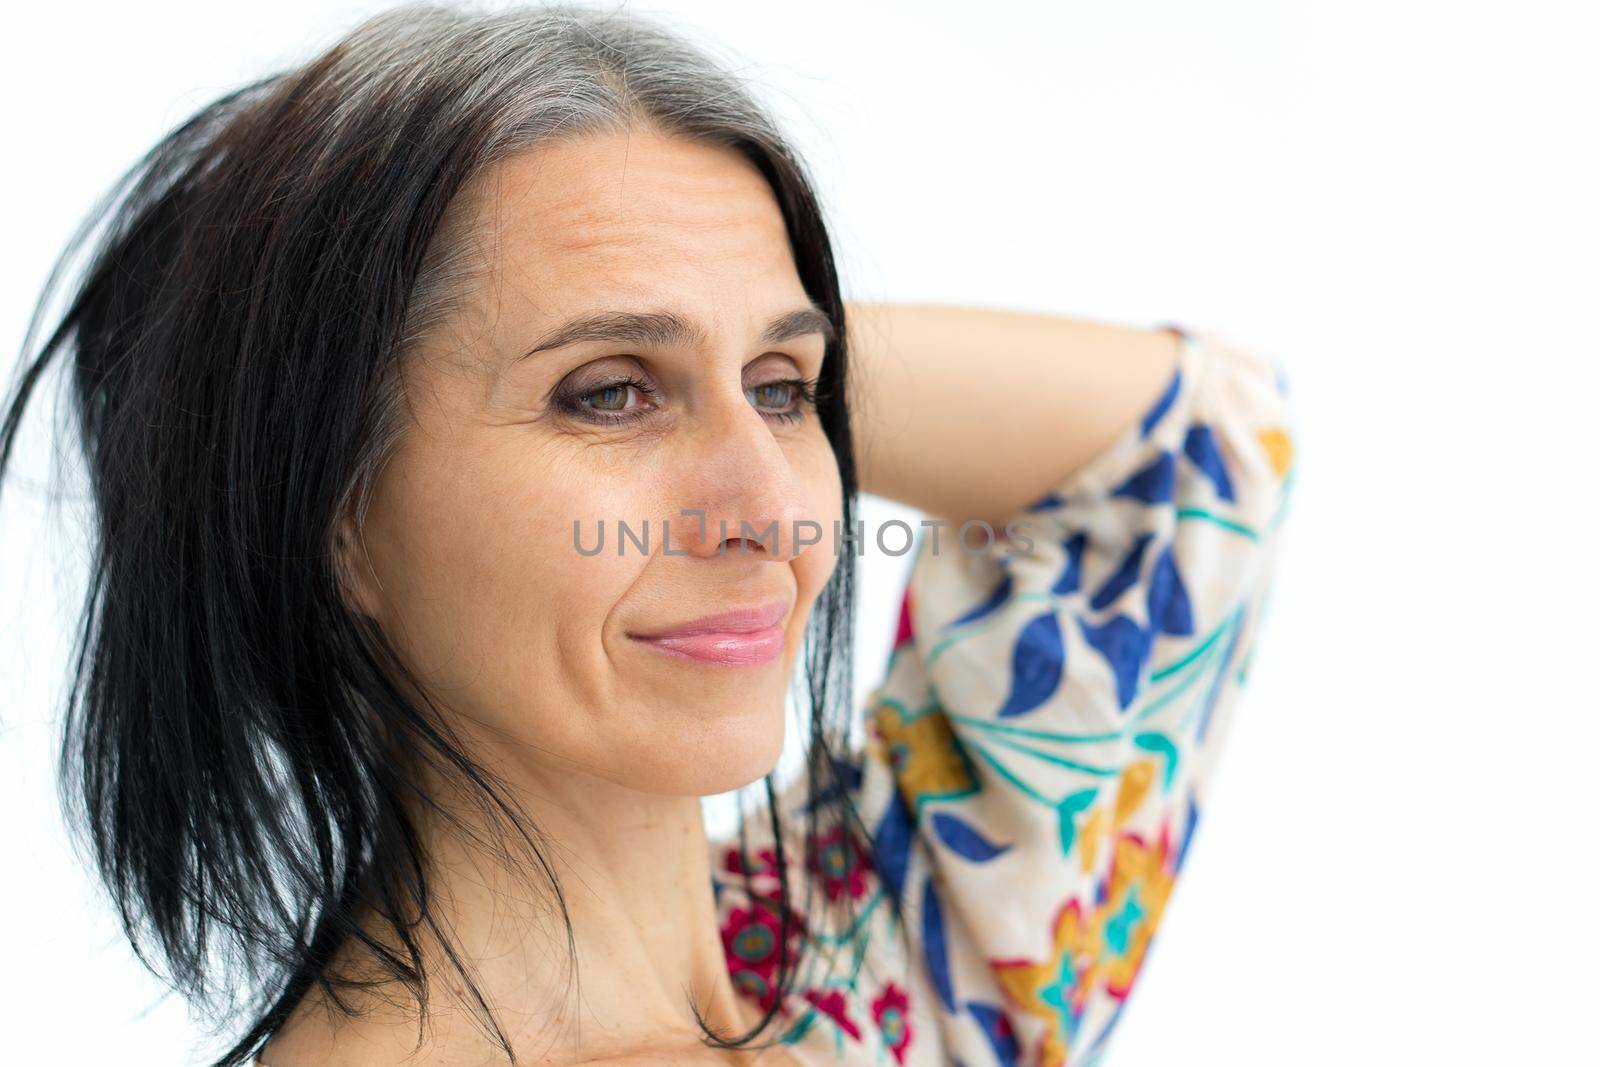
1037	756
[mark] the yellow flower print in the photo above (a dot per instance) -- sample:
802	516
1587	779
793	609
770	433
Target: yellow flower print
1132	788
924	753
1279	447
1103	951
1055	988
1141	882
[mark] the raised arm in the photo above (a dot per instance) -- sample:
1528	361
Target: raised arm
973	413
1039	753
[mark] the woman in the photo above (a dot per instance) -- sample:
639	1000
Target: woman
475	426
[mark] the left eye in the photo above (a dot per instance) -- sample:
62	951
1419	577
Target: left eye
775	394
786	399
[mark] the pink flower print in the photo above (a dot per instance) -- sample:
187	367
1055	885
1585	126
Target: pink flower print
891	1012
750	943
842	863
765	861
833	1005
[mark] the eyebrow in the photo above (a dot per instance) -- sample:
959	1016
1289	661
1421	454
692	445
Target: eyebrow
666	329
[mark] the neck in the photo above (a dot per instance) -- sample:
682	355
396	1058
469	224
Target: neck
635	873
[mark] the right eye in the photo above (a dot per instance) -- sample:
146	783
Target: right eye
607	401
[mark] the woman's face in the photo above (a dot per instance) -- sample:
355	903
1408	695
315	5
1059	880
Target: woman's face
472	565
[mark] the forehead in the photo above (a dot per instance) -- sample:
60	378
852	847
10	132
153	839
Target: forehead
613	218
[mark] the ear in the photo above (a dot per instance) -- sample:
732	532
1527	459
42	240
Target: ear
358	584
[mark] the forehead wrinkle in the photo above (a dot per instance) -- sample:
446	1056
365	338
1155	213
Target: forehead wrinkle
666	220
558	228
644	254
576	213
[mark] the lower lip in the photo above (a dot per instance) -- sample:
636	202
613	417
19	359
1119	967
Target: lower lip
727	650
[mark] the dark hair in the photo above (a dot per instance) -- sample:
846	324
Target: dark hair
239	748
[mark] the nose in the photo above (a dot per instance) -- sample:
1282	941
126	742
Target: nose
739	491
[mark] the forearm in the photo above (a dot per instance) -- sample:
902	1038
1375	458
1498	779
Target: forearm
969	413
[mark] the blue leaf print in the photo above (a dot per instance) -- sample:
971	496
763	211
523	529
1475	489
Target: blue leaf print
965	841
933	949
1125	645
849	769
1153	484
1153	416
997	1028
1188	833
999	596
893	843
847	781
1167	599
1037	662
1200	445
1069	580
1126	574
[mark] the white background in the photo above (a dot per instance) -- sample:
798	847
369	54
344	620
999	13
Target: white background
1397	199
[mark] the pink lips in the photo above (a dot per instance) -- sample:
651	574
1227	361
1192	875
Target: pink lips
744	638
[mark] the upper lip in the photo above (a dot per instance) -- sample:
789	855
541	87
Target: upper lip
739	621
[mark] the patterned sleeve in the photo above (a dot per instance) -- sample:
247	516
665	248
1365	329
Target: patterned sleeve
1038	753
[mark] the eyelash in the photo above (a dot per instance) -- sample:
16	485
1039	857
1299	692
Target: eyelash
572	403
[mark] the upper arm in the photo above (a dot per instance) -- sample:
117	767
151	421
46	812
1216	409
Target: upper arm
969	413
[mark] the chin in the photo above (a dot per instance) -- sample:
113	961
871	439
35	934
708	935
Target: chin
717	759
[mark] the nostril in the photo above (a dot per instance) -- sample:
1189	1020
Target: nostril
745	545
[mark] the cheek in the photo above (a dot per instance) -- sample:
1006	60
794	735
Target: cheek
496	607
507	620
